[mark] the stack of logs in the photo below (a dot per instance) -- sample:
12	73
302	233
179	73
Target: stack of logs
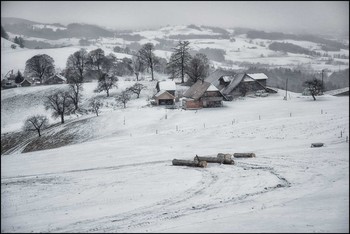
202	161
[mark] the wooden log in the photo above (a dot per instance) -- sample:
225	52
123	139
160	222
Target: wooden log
243	155
179	162
214	160
316	145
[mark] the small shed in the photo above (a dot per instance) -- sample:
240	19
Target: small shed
167	85
25	83
56	79
163	97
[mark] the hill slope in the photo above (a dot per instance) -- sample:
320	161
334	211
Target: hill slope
122	178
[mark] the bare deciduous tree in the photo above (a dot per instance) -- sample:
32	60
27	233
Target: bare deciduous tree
123	98
36	123
77	65
40	66
106	82
137	66
95	105
315	87
60	103
136	88
147	56
198	68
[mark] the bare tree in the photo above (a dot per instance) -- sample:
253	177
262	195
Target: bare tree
198	68
136	88
77	64
36	123
74	94
137	66
95	105
40	66
123	98
147	56
180	60
315	87
60	103
106	82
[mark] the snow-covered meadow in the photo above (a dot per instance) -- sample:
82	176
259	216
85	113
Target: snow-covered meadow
122	180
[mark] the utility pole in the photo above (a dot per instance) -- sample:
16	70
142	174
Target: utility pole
286	88
322	80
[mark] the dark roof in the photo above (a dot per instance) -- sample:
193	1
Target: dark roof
197	89
214	77
233	84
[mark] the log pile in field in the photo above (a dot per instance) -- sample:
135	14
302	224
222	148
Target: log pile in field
243	155
195	163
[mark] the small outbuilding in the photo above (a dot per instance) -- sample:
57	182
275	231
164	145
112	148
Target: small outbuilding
167	85
56	79
25	83
163	97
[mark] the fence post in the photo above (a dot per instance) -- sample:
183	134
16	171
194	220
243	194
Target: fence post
204	125
156	131
259	117
290	114
341	133
124	120
347	139
321	111
177	128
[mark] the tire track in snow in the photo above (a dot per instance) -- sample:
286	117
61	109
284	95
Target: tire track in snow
174	207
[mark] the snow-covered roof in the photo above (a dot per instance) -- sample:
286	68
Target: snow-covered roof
160	93
167	85
227	78
258	76
212	88
62	77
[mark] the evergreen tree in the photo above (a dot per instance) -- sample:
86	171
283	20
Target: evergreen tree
19	77
4	33
180	60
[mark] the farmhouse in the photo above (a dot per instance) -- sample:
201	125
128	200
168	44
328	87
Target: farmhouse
202	94
165	93
243	83
56	79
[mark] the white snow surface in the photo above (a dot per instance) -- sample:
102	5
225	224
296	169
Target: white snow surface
122	179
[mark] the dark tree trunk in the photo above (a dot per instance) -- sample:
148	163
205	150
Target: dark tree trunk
107	90
313	96
62	118
243	155
39	132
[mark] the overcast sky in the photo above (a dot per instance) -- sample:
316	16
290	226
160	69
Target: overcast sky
286	16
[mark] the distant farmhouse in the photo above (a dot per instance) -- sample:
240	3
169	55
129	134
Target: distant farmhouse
234	85
56	79
165	93
339	92
202	94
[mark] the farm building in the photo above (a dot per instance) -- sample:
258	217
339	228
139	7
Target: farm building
165	93
167	85
56	79
339	92
202	94
163	97
243	83
25	83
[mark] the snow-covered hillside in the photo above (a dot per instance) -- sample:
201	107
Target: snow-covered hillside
122	179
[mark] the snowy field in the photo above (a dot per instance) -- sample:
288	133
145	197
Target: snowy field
122	180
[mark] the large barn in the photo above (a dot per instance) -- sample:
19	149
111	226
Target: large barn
202	94
56	79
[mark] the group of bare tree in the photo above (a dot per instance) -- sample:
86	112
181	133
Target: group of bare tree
182	63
